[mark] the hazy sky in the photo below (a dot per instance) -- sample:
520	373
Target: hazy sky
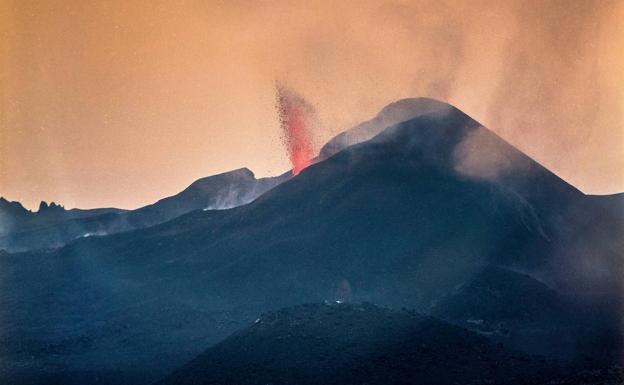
119	103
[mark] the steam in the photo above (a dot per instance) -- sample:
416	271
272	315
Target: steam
94	234
233	196
483	155
543	75
296	119
344	292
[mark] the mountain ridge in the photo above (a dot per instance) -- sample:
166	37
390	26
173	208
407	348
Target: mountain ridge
52	226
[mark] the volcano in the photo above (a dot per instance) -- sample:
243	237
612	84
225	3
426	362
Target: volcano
419	216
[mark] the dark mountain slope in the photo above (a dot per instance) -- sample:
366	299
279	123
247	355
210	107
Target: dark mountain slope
394	113
52	226
15	218
512	296
356	344
515	309
400	220
220	191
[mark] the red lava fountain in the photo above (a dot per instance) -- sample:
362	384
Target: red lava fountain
296	118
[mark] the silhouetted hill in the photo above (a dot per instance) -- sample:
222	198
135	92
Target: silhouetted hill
394	113
9	213
401	220
13	216
357	344
53	226
216	192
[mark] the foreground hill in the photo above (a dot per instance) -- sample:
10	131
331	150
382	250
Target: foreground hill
603	376
52	226
357	344
405	219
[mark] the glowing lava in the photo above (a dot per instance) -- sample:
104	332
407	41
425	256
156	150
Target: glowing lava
296	119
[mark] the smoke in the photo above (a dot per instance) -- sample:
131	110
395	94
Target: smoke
98	233
543	75
296	117
232	196
483	155
553	98
343	292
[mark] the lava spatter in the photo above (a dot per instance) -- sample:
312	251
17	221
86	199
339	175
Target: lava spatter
296	119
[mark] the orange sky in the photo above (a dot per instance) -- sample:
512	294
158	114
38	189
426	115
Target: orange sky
119	103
